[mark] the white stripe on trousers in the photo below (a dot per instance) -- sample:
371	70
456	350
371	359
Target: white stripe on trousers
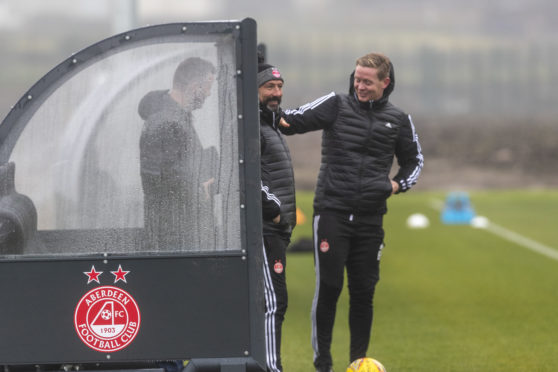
270	311
314	335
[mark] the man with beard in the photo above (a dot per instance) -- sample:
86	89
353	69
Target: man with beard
279	210
362	133
177	172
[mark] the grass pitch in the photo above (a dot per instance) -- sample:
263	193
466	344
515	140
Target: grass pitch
450	298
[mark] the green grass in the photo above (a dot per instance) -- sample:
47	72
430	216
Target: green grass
450	298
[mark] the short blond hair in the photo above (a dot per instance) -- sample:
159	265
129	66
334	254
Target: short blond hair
377	61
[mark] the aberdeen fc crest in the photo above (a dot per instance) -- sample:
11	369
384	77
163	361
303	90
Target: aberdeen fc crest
278	267
107	318
324	246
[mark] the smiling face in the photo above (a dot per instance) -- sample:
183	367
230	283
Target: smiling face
270	94
368	86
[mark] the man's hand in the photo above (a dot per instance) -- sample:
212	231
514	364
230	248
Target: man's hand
394	187
206	186
277	219
283	123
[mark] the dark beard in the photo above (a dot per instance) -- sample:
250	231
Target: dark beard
276	100
198	100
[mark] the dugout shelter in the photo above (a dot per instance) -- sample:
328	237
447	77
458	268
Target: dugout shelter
91	276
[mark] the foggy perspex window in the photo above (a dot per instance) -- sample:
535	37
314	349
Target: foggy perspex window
134	149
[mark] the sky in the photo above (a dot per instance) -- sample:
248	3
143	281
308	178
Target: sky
315	42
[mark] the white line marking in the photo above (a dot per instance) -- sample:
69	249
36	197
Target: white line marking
511	236
523	241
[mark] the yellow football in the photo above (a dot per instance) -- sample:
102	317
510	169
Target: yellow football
366	365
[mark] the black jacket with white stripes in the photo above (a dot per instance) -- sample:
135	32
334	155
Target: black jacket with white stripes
278	188
359	142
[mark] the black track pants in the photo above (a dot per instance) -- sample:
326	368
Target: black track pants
355	243
275	291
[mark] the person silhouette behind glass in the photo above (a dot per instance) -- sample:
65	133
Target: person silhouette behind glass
177	173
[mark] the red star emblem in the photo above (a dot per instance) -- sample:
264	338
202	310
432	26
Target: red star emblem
120	274
93	276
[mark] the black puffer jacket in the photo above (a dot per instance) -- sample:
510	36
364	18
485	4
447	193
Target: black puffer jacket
359	142
277	173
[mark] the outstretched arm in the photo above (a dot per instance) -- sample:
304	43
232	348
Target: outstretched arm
315	115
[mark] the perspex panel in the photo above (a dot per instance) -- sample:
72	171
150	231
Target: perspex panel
128	152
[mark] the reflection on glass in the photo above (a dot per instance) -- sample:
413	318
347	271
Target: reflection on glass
114	159
177	172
